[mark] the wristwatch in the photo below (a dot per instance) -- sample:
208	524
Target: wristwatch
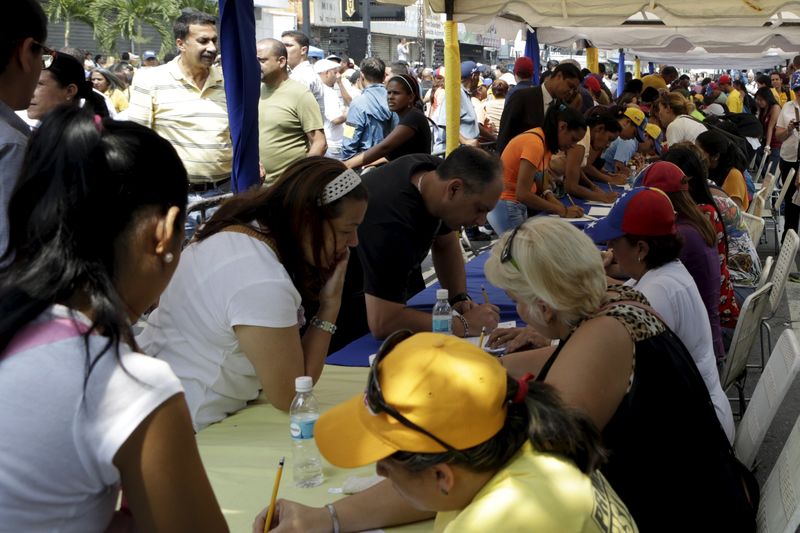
460	297
324	325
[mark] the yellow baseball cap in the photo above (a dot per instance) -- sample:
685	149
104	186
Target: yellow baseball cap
443	384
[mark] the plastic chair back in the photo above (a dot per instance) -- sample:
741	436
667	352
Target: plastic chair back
744	335
770	391
766	271
757	205
776	208
783	266
755	225
779	510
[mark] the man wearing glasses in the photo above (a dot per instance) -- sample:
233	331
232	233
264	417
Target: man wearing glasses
22	57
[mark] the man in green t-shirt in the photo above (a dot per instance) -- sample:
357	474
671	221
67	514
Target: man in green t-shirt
289	120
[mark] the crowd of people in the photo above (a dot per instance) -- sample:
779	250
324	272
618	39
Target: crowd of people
570	431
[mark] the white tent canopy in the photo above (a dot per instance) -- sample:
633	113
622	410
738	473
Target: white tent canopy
700	58
613	13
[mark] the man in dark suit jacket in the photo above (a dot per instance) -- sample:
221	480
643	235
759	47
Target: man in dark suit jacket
525	109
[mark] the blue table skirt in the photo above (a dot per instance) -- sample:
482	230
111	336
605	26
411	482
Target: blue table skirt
357	352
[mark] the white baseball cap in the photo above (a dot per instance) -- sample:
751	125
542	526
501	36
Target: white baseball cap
324	65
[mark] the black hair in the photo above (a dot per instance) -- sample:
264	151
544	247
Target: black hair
663	248
626	98
669	71
599	116
288	210
763	79
560	113
125	56
299	37
690	160
475	167
568	71
373	69
398	68
67	70
716	143
409	84
275	47
22	19
543	419
634	86
649	95
766	94
585	72
83	182
188	17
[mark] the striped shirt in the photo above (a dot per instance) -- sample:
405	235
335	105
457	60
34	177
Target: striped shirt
194	121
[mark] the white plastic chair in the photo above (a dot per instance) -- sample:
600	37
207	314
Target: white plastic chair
775	207
755	226
766	271
772	386
780	273
756	207
769	184
734	368
779	509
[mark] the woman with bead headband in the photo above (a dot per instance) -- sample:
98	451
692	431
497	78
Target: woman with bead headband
516	461
230	321
411	136
621	365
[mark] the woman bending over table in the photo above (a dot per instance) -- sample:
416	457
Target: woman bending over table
517	461
96	225
744	265
230	321
647	250
700	250
621	365
526	159
726	166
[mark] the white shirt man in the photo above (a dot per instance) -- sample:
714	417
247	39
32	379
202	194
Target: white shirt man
335	110
302	71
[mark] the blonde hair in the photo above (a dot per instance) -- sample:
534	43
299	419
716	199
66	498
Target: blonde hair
558	265
675	101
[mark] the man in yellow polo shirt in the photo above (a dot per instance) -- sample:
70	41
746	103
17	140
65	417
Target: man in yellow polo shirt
734	102
184	102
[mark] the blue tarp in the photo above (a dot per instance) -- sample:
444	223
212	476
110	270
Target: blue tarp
242	85
621	73
532	51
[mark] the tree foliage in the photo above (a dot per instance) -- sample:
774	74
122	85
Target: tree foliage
126	18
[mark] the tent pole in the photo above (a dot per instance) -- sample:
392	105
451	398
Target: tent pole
452	78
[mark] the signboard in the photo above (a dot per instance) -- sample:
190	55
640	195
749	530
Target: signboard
351	11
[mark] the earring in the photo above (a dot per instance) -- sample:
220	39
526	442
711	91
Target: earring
169	257
639	259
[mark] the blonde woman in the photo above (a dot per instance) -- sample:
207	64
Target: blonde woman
673	112
621	365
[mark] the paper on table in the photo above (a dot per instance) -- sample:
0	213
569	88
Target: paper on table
601	204
584	218
500	325
598	211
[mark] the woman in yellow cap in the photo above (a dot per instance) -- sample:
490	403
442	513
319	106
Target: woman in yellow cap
456	436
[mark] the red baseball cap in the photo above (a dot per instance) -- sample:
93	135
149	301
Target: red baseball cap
665	176
724	80
641	211
591	84
523	66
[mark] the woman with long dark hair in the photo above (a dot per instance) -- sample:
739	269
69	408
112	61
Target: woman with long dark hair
726	166
411	136
64	83
519	461
229	322
744	265
526	159
110	85
96	225
700	252
768	112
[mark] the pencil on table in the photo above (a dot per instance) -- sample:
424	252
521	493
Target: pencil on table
275	487
480	341
485	295
569	197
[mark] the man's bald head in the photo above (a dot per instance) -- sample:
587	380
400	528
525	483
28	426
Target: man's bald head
271	47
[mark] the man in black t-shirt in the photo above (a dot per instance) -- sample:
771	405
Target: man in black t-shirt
415	205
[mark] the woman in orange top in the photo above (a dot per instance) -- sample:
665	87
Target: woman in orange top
525	160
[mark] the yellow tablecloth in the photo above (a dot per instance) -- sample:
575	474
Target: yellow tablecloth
241	455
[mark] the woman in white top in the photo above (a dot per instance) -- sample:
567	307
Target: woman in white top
229	324
96	224
651	260
672	110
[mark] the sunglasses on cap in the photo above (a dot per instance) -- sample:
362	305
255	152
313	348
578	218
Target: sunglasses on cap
48	55
505	255
377	404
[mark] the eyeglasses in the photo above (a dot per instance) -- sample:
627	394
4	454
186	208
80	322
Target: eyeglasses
48	55
505	255
374	395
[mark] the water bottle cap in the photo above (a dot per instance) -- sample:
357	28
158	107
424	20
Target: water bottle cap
303	384
441	294
372	359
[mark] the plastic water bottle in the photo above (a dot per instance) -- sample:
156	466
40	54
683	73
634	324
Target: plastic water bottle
442	314
631	174
303	414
